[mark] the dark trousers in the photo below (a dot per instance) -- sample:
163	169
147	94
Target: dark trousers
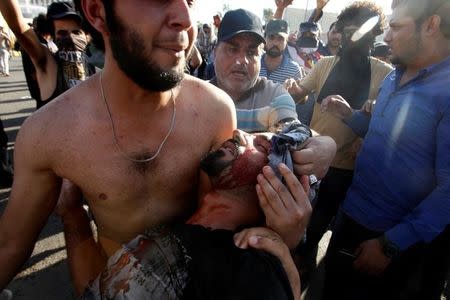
332	191
415	274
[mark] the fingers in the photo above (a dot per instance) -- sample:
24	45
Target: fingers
304	161
252	237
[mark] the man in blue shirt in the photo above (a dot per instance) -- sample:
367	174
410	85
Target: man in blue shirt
276	65
392	226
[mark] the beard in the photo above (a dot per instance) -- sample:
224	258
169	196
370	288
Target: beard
358	48
274	52
412	50
130	51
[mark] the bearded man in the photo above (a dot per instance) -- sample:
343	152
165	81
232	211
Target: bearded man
355	76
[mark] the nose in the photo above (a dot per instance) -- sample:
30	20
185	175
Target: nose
180	15
242	137
241	58
388	36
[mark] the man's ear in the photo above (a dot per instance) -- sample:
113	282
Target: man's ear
95	14
432	25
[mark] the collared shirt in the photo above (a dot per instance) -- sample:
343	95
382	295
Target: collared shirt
263	106
287	69
401	184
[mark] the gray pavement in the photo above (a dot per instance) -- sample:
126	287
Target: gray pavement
45	275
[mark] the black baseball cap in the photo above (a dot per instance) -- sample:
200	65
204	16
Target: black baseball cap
280	27
240	21
60	10
309	27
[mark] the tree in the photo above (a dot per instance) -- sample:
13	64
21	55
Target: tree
267	14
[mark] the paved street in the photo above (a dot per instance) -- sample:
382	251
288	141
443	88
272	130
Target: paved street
45	276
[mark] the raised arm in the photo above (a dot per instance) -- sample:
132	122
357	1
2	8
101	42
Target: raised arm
26	36
318	11
33	197
281	6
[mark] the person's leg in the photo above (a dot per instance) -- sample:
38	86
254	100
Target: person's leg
332	192
6	173
2	61
342	281
436	268
6	58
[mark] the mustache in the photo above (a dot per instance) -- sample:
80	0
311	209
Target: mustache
212	164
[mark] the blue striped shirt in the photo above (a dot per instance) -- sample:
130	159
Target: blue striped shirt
287	69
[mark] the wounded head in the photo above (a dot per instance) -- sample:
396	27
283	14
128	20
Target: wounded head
238	161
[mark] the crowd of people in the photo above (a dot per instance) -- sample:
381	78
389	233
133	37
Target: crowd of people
179	128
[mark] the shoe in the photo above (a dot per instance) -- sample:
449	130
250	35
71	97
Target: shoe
6	295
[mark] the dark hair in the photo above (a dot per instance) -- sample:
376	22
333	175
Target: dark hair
421	10
41	25
359	12
331	26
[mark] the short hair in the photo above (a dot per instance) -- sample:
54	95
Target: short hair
41	25
331	26
421	10
359	12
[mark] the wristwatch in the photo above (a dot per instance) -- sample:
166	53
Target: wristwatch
390	249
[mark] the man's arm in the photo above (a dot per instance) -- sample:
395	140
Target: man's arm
357	120
318	11
33	197
42	59
426	221
281	6
85	256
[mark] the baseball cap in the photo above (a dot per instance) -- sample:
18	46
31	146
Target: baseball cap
309	27
59	10
279	27
240	21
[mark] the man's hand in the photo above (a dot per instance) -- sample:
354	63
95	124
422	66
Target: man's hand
268	240
316	156
370	258
295	90
320	4
369	106
286	206
283	3
337	106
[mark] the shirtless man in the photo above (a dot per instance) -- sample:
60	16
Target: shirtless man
126	170
189	249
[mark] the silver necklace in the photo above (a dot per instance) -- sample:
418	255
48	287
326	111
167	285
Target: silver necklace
116	142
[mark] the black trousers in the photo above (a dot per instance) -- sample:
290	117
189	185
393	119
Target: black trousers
417	273
332	191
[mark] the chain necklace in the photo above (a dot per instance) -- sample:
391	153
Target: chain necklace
116	142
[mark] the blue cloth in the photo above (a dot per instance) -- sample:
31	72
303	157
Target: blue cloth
289	139
401	184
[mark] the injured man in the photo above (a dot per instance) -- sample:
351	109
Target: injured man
199	259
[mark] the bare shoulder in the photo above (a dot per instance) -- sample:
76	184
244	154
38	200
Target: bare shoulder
210	99
214	107
58	119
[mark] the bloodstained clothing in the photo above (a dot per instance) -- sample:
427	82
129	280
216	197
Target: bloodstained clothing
190	262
